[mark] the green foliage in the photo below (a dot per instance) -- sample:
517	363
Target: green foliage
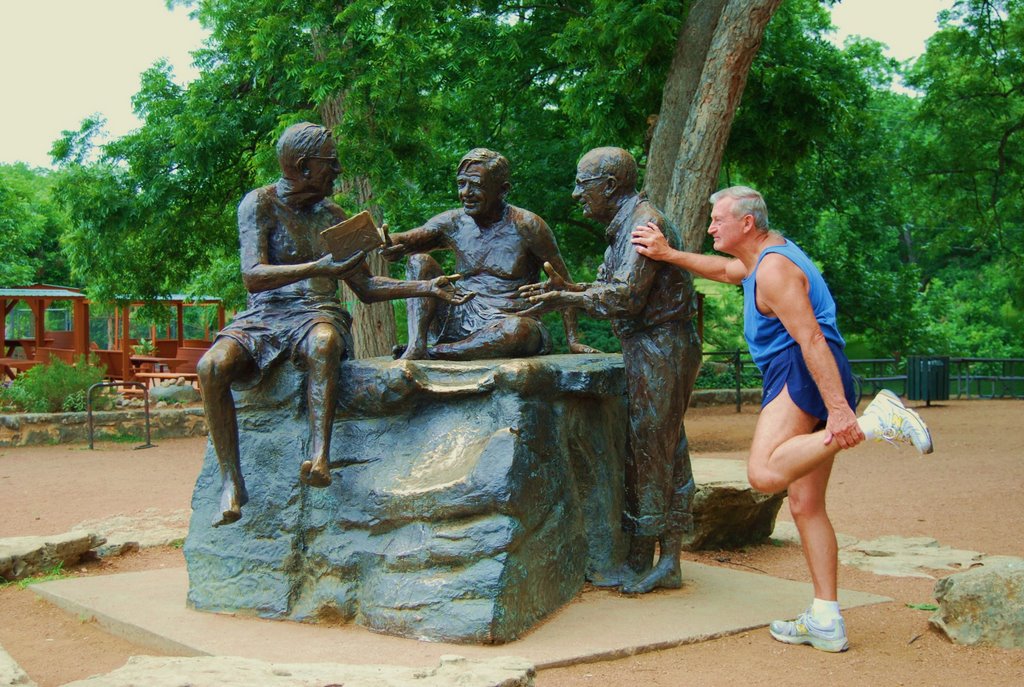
965	161
905	202
718	375
30	229
144	347
53	387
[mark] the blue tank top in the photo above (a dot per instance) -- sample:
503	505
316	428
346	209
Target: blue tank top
766	336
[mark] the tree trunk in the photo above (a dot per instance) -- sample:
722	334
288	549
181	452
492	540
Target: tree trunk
373	324
713	55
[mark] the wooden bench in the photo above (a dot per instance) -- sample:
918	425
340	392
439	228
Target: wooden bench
9	367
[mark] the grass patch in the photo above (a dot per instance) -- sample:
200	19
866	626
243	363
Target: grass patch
55	573
120	438
923	607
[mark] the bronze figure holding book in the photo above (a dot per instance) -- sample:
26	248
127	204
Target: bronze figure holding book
293	312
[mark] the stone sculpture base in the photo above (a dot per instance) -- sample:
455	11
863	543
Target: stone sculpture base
469	500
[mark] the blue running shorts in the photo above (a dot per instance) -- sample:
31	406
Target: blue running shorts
788	370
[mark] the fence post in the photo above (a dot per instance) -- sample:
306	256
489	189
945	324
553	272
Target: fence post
737	367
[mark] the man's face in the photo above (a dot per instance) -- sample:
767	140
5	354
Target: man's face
591	184
726	227
479	192
323	168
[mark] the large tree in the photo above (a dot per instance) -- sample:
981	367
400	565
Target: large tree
709	71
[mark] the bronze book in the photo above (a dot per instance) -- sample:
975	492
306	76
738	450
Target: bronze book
356	233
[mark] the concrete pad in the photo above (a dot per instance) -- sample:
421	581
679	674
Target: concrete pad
149	608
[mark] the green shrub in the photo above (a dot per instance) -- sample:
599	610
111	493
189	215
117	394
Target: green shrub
53	387
714	375
144	347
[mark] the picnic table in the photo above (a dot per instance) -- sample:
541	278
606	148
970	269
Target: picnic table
9	367
150	368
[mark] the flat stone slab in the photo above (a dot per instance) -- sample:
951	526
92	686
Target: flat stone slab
231	671
897	556
26	556
149	608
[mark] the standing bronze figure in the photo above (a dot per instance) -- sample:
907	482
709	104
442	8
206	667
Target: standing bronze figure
294	311
652	306
498	248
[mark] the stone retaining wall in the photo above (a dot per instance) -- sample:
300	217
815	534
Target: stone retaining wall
33	429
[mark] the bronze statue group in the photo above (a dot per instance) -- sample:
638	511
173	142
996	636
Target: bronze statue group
491	307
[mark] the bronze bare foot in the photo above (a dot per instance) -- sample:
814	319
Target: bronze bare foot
315	473
665	575
414	352
613	577
231	501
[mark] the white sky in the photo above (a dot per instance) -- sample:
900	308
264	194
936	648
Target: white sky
63	60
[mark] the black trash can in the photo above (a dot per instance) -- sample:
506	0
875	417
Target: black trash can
928	378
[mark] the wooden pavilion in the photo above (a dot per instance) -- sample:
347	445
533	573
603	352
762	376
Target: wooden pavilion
68	345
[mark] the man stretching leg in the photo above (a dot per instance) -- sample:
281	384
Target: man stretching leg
807	414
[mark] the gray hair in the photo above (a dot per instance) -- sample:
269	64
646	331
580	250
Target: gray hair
747	201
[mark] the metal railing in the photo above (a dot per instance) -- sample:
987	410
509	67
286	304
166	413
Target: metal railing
969	377
102	385
987	377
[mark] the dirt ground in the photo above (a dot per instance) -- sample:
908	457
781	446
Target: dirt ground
968	495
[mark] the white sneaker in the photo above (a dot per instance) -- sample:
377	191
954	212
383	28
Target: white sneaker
805	630
882	398
887	418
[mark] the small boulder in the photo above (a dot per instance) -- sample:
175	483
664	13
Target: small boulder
984	605
727	512
174	393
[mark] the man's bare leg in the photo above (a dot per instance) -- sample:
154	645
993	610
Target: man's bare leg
783	428
421	311
786	446
225	362
512	337
322	348
818	539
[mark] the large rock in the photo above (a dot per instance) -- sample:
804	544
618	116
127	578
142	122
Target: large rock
984	605
727	512
229	671
26	556
469	499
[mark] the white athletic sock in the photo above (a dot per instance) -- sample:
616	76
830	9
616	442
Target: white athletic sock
870	425
825	611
